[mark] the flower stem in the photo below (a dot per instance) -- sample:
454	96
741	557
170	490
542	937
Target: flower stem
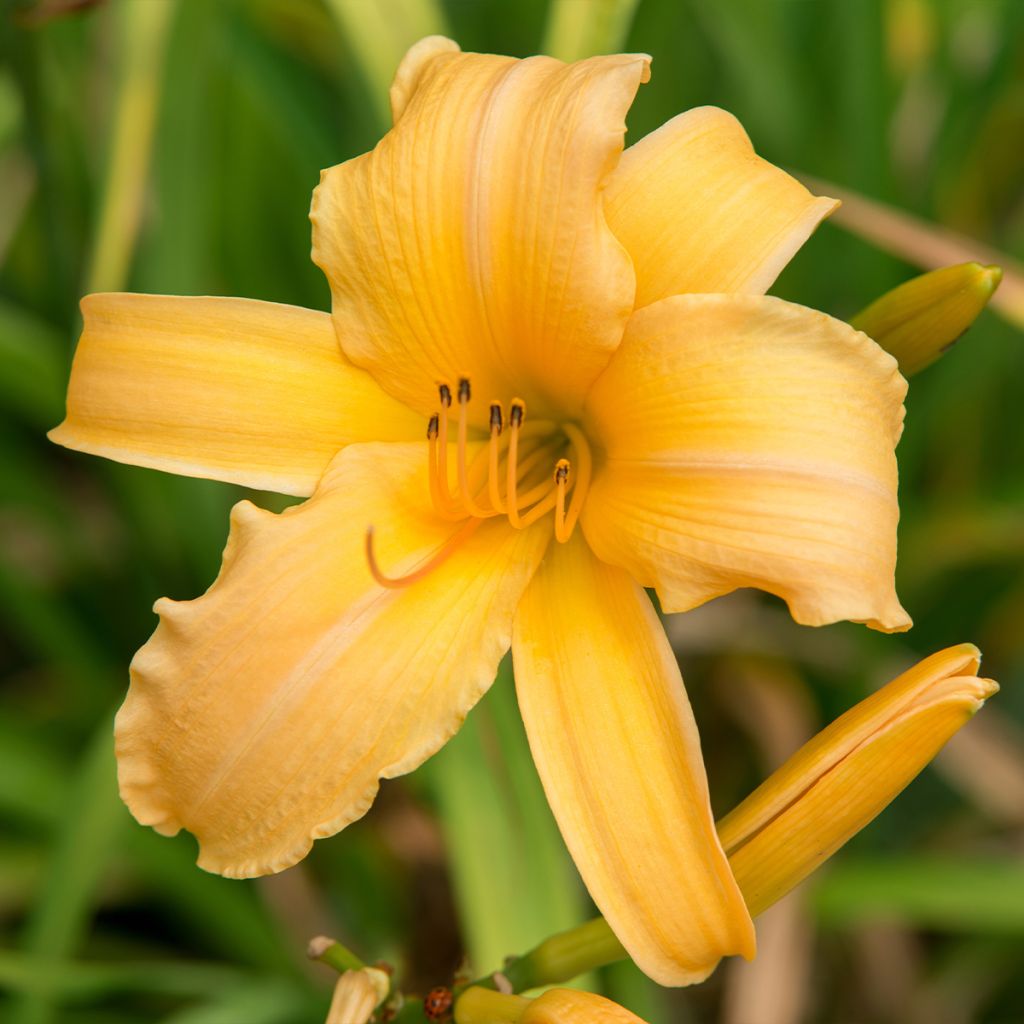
334	954
562	957
144	31
575	30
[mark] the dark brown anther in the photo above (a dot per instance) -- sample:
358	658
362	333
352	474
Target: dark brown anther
561	471
446	395
516	413
438	1003
463	390
496	421
433	426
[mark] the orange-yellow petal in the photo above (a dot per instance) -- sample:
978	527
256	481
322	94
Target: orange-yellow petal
700	211
262	715
749	442
356	995
254	393
472	240
407	77
617	749
839	781
569	1006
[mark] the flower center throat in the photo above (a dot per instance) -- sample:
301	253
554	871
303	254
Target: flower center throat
523	472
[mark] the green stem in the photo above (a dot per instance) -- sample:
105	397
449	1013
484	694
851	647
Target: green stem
562	957
379	34
335	955
581	28
144	32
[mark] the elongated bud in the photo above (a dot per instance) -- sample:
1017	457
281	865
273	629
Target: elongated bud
923	317
839	781
356	995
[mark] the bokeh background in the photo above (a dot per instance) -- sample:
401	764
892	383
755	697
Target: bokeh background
165	146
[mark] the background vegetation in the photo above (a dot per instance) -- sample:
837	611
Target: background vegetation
172	147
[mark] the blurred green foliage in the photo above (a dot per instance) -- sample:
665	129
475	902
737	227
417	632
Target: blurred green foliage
919	103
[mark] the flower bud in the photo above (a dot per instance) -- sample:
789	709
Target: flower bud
839	781
922	318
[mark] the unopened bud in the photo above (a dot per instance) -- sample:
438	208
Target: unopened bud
839	781
923	317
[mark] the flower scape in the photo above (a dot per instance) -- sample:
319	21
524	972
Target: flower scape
550	379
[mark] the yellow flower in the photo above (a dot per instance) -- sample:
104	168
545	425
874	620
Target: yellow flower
627	410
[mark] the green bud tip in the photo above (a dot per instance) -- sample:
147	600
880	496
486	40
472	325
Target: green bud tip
923	317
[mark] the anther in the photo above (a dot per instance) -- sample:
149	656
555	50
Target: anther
432	427
496	420
463	390
516	412
446	395
561	471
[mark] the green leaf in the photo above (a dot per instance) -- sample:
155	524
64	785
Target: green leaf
33	367
513	878
949	894
93	815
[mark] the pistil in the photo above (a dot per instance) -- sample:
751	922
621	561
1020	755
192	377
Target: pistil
445	552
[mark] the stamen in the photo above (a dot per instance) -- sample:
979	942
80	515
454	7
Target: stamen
444	490
561	480
584	467
553	498
465	494
493	453
447	510
516	412
447	550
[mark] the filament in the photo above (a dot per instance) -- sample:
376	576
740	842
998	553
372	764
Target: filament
516	412
493	455
465	494
445	394
444	508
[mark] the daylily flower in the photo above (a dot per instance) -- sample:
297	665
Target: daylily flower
611	403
